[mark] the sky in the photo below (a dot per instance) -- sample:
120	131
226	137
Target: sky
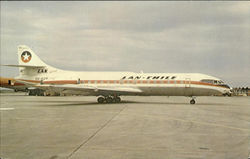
165	36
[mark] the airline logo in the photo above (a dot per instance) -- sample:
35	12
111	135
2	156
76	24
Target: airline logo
26	56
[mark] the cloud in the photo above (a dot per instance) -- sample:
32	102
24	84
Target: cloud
206	37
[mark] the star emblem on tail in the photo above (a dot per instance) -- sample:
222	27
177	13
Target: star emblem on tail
26	56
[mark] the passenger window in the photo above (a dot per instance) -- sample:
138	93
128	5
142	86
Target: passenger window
173	77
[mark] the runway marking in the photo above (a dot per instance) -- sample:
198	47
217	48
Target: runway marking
94	134
196	122
7	109
210	124
145	149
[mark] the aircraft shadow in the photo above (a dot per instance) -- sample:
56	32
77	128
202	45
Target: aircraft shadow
82	103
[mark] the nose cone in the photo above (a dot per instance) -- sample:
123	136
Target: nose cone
228	90
231	89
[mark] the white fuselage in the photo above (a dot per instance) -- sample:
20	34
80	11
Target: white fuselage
155	84
33	69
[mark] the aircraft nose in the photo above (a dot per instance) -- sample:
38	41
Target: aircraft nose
231	89
228	90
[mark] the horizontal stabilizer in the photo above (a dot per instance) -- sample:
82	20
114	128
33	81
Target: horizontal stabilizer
29	66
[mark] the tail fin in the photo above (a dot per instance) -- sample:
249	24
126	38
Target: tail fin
27	57
30	65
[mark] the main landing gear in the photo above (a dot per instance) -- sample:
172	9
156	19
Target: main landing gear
109	99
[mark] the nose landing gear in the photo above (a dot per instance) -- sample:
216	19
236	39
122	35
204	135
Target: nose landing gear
109	99
192	101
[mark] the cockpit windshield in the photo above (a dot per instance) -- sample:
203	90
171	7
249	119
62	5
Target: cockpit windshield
215	82
211	81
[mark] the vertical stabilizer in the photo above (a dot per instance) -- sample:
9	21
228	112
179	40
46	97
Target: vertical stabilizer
30	65
28	58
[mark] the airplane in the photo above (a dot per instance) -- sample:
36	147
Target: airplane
12	84
109	86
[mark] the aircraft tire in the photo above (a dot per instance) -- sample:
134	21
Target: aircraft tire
192	101
109	99
117	99
100	99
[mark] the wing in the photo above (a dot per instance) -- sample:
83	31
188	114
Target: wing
82	89
79	89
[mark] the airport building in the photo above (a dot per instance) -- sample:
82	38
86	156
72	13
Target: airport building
241	91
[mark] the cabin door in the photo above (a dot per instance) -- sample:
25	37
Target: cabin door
188	90
187	83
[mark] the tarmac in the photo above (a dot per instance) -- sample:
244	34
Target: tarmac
77	127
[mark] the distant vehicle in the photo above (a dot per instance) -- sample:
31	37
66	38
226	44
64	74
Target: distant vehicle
109	86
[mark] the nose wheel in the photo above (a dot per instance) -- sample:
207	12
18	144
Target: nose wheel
192	101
